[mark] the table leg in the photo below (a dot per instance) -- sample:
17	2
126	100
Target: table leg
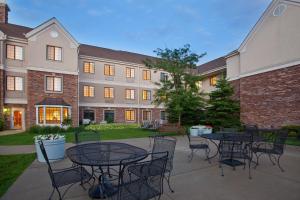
217	146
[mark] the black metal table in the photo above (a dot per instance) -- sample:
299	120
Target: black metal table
230	136
103	154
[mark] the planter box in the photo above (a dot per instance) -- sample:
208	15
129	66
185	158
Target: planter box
55	150
199	130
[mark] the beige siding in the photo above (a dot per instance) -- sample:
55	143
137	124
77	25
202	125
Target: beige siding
206	87
36	56
16	63
276	42
16	94
233	67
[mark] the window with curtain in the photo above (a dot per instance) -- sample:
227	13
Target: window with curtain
109	70
14	52
108	92
54	53
146	75
146	115
52	115
88	91
146	94
14	83
130	94
130	115
213	80
129	72
53	84
89	67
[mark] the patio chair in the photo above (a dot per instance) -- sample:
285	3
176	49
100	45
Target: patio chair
274	149
142	180
165	144
234	152
198	143
64	177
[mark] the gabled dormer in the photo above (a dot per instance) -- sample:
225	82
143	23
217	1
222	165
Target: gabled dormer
52	48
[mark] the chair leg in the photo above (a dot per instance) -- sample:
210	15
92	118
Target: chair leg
207	155
269	155
168	181
278	163
257	158
249	168
60	197
222	171
191	155
51	194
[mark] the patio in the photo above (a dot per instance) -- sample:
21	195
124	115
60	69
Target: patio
195	180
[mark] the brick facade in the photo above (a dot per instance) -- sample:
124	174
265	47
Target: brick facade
119	113
271	98
236	86
3	13
36	93
1	91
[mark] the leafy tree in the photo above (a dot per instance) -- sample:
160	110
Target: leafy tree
179	93
223	110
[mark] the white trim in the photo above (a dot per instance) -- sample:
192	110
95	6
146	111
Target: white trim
22	110
118	83
51	70
44	113
15	69
15	100
267	69
47	24
118	105
18	40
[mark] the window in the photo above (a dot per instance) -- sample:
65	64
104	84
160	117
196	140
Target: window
163	76
89	67
199	85
109	70
163	115
130	94
129	72
146	94
88	91
108	92
14	52
146	115
213	80
54	53
146	75
14	83
53	84
130	115
89	114
52	115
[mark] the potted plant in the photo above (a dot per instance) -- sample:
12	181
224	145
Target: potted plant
54	145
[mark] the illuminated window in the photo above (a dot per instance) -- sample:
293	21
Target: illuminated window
129	72
14	83
129	94
108	92
213	80
52	115
109	70
146	94
89	67
130	115
14	52
163	76
53	84
146	75
88	91
146	115
54	53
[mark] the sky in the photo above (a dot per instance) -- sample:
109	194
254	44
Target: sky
212	26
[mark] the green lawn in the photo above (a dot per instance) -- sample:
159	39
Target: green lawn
293	141
11	167
108	132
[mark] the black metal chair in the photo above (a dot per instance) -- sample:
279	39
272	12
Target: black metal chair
273	147
139	181
64	177
234	150
198	143
165	144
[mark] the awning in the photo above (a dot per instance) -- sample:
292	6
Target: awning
53	102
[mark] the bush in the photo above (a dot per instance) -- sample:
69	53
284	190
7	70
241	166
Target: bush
293	130
67	122
2	124
45	129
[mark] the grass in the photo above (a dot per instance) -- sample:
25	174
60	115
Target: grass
293	141
11	167
108	132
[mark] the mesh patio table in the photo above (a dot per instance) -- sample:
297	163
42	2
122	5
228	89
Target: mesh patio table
103	154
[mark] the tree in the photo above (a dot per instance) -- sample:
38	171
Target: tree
179	93
223	110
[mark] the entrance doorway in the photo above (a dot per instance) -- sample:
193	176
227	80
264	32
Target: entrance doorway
109	116
17	116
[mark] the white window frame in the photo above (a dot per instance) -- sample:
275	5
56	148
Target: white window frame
15	52
131	94
54	91
15	83
44	114
55	55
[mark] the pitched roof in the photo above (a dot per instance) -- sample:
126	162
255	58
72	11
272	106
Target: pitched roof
211	65
53	101
101	52
14	30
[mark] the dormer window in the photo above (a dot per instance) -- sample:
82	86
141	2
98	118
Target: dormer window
14	52
54	53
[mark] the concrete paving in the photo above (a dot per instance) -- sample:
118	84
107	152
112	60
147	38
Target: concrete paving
10	132
191	180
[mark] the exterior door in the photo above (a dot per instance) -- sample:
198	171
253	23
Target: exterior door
17	119
109	116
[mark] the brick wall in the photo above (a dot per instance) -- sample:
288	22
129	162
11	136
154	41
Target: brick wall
1	91
36	93
236	86
271	98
